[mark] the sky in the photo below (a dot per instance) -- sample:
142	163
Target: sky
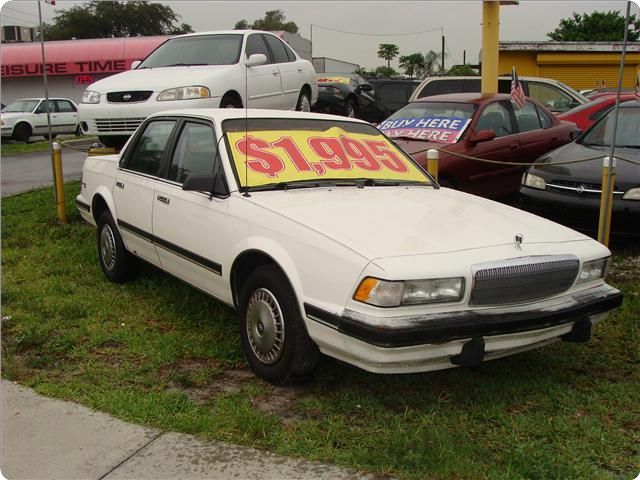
414	26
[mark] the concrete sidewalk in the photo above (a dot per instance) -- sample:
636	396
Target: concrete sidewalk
44	438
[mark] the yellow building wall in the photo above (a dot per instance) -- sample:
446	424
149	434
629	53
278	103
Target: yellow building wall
581	70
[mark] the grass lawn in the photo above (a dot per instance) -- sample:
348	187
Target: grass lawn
159	353
16	148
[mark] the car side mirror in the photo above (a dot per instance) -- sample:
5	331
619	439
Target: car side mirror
213	184
482	136
256	59
365	87
575	134
135	64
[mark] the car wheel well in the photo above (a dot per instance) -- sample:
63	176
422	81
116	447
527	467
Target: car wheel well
243	266
98	207
232	95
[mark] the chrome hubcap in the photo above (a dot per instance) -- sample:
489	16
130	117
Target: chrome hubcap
108	247
265	326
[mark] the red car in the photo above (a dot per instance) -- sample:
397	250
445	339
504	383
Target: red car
586	115
487	127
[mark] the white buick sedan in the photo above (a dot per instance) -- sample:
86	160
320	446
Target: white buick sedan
236	68
328	238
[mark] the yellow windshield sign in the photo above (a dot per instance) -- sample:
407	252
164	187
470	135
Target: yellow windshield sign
333	80
264	157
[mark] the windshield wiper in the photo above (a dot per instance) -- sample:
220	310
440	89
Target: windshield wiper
290	185
186	64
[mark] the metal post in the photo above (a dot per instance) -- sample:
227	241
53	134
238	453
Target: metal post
490	34
56	158
312	42
609	164
442	64
432	162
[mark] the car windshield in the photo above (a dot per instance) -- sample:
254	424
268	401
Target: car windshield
628	130
442	122
21	106
286	153
196	50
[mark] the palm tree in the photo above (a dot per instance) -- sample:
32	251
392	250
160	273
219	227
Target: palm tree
431	63
412	64
388	51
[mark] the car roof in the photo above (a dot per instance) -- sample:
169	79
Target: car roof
41	98
222	32
630	104
468	97
220	114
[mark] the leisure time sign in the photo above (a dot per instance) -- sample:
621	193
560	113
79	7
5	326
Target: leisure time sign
65	68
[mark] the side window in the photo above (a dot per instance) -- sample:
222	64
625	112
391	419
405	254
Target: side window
439	87
527	118
195	152
42	108
495	117
146	155
504	85
65	106
277	48
290	54
545	119
470	85
551	97
255	44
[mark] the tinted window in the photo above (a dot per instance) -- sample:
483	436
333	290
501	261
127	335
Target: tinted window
194	154
439	87
471	85
255	44
545	119
277	48
527	118
65	106
495	117
392	93
290	54
146	155
627	129
550	96
196	50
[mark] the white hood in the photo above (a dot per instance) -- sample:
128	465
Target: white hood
158	79
383	222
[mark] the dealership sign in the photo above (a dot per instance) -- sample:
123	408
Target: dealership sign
66	68
433	129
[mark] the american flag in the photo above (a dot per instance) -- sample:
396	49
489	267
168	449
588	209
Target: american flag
52	2
517	94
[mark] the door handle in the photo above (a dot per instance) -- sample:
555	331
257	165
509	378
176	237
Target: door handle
276	73
513	145
119	184
163	199
300	70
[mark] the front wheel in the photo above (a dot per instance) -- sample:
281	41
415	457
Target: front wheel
117	263
22	132
274	338
304	103
351	109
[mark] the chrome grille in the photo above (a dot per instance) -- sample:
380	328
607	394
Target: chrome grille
522	279
129	97
115	125
581	189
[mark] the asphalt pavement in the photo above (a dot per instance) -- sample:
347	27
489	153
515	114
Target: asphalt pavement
44	438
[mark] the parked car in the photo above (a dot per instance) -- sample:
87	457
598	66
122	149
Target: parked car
200	70
571	193
554	95
328	238
606	92
27	117
473	125
392	94
587	114
347	94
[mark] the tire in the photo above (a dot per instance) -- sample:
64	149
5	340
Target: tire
274	338
351	109
78	131
22	132
117	263
304	103
229	102
113	141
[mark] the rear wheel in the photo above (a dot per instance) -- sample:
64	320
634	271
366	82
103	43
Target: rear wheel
304	103
22	132
228	101
117	263
274	337
351	110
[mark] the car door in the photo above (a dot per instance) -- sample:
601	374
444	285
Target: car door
537	134
366	98
264	87
189	227
40	118
134	188
67	116
291	73
488	179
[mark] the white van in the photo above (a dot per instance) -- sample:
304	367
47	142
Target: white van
226	69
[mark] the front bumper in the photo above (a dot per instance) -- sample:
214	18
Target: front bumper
7	131
581	212
437	341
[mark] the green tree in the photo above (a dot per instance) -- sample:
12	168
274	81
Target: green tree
384	72
363	72
412	64
273	20
461	70
388	52
100	19
432	63
595	27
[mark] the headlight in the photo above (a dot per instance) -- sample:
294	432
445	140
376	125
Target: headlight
533	181
632	194
594	270
90	96
184	93
384	293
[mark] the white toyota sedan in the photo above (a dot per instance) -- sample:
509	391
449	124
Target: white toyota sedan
328	238
236	68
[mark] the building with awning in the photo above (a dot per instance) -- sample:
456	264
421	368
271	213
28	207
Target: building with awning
581	65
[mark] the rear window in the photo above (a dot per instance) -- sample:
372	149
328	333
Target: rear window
440	87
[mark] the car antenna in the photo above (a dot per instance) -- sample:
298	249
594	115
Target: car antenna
246	122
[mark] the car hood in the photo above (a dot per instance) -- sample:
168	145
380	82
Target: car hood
380	222
158	79
627	174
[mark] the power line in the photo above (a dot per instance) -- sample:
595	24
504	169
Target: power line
377	34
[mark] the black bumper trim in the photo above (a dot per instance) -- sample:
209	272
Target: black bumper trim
83	206
461	325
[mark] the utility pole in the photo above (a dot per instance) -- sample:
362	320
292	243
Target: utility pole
442	60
